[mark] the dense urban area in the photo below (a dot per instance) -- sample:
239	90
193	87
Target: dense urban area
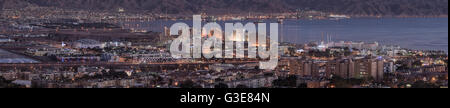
50	47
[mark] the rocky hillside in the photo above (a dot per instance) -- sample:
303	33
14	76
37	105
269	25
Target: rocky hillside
352	7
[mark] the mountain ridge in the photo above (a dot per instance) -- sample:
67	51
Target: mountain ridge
350	7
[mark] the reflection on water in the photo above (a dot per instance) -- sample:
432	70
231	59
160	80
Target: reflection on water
415	33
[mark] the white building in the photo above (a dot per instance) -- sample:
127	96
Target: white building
88	43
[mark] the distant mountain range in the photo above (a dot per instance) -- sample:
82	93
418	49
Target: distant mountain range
350	7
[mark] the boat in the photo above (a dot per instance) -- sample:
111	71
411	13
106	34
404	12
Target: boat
338	17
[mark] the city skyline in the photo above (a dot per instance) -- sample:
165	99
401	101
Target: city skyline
165	44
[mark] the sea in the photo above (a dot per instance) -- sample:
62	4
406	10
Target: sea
411	33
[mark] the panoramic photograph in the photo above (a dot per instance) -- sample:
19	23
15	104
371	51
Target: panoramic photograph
220	44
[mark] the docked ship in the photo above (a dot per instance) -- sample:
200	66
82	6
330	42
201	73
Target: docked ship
338	17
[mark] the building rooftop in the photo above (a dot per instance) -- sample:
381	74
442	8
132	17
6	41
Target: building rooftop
88	41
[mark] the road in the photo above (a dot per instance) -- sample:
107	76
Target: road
111	64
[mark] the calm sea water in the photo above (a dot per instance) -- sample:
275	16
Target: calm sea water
414	33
